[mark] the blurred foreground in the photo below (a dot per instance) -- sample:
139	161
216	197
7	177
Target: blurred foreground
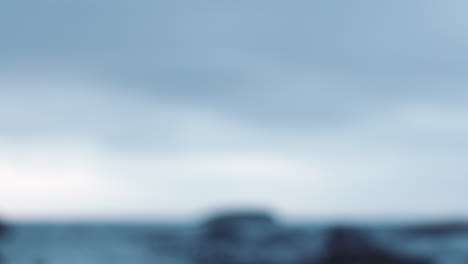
235	238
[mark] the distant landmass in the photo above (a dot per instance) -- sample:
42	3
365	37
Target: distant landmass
236	237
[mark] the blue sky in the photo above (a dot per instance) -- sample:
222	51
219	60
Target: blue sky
313	109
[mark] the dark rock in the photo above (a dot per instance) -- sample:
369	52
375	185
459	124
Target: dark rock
438	229
241	217
244	238
285	238
4	230
238	227
348	245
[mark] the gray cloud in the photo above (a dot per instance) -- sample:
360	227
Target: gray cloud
352	97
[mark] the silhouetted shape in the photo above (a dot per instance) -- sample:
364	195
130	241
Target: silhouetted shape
438	229
244	238
286	238
347	245
4	229
238	226
3	233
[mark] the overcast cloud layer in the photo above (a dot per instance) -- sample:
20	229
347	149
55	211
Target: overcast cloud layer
146	109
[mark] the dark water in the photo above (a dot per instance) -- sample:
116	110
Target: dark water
235	239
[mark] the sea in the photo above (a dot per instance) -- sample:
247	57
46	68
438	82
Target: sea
227	241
